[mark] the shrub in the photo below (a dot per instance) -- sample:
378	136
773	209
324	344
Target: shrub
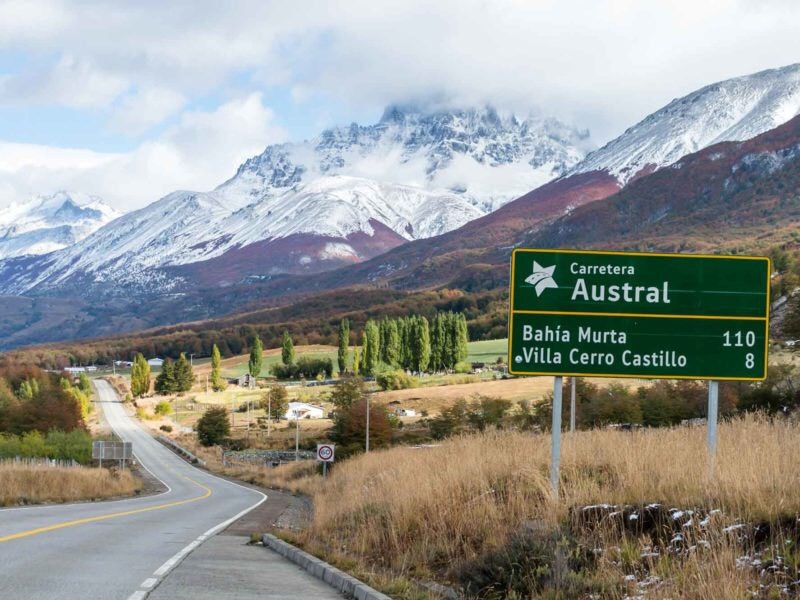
350	425
74	445
167	428
306	367
163	408
213	426
395	380
463	368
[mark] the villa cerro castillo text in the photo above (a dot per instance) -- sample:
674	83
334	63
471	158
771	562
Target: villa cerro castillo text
639	315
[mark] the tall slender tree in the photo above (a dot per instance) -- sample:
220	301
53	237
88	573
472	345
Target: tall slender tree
256	357
392	340
421	344
462	339
344	344
371	348
356	361
184	375
140	376
165	382
287	349
217	383
437	342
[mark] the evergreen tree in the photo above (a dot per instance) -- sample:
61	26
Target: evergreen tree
256	357
371	348
437	342
356	362
183	374
140	376
421	343
382	324
406	354
450	334
165	382
462	339
217	383
392	340
213	427
344	344
287	349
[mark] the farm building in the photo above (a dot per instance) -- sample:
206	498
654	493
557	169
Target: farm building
301	410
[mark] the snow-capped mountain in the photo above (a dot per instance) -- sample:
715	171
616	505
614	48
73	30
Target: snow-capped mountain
487	158
189	227
49	223
347	195
733	110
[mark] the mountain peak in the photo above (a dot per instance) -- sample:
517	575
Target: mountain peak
43	224
732	110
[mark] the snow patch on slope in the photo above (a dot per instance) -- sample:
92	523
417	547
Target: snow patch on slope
48	223
732	110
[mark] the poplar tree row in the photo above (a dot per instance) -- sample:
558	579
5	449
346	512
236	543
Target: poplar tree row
411	343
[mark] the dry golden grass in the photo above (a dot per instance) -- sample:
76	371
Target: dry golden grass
25	484
437	507
436	398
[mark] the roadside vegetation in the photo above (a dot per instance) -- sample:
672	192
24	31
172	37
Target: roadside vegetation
31	483
476	512
45	445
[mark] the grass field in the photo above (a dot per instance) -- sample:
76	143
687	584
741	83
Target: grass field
439	512
487	351
26	484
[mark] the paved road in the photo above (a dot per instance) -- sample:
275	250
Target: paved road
116	549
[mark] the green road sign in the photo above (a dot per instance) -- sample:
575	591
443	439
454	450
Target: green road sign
638	315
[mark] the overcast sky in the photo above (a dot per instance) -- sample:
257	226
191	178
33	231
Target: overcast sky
131	100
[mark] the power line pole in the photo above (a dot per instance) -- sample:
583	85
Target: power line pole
296	437
367	444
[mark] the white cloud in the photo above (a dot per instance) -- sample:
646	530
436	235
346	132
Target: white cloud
602	64
141	110
73	82
199	153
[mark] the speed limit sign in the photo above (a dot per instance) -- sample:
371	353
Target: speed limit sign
325	452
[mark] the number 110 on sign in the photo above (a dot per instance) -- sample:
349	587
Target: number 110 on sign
741	339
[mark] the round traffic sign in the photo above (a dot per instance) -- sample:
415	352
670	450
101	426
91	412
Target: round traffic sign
325	452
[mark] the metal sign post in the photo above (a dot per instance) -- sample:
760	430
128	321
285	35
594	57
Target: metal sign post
555	448
713	410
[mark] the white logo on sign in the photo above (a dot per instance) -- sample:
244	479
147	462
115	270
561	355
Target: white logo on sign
541	278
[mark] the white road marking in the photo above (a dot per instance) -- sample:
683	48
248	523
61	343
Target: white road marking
149	584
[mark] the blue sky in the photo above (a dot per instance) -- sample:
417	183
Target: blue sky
130	101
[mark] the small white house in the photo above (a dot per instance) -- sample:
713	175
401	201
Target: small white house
155	362
301	410
405	412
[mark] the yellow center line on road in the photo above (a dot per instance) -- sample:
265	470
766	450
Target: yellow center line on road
37	531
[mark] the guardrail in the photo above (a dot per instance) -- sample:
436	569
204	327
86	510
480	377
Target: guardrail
178	449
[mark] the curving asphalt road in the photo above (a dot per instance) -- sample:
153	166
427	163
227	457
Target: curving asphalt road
123	548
